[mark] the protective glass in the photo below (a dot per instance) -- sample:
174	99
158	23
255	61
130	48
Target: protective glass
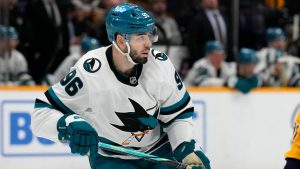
142	37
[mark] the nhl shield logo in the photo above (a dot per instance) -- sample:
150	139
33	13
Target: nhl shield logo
133	80
92	65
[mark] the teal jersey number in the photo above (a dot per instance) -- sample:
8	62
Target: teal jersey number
178	81
72	83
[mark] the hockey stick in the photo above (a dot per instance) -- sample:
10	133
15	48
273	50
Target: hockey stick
149	157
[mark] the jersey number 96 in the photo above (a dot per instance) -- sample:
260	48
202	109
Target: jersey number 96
72	84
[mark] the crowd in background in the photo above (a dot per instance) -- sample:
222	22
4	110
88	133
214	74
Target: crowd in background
41	39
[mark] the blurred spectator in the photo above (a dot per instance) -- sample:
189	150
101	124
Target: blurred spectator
142	3
87	44
276	13
284	72
70	17
168	24
255	17
79	14
13	65
64	51
97	27
246	79
276	42
16	15
293	6
252	24
45	33
279	4
182	11
211	70
207	24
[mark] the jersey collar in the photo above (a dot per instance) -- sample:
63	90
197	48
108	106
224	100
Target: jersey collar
132	79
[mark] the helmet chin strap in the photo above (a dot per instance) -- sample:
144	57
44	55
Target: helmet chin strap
125	54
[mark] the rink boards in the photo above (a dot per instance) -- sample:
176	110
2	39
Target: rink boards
235	130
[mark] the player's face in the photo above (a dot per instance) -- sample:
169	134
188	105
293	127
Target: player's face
13	43
279	44
140	45
246	70
216	58
210	4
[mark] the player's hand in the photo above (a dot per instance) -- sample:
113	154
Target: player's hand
195	159
82	137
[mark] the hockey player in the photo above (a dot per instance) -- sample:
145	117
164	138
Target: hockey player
86	45
246	79
211	70
284	72
126	94
276	42
13	65
293	155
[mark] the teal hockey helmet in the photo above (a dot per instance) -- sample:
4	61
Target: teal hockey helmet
247	56
12	33
127	19
8	32
89	43
211	46
274	33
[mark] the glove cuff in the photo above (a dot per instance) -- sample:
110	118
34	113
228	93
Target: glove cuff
184	149
73	118
62	125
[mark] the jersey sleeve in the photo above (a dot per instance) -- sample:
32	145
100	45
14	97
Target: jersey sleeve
176	107
68	96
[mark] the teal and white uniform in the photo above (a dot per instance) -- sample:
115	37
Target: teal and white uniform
135	111
14	69
203	73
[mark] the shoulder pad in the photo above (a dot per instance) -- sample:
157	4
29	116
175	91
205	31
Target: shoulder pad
159	55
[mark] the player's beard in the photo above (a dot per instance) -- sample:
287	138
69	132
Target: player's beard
136	58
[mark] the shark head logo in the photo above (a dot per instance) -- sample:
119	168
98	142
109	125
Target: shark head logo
138	123
159	56
92	65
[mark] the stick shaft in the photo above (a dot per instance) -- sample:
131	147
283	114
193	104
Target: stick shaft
153	158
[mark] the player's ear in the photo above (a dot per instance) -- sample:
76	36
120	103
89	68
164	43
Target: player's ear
120	40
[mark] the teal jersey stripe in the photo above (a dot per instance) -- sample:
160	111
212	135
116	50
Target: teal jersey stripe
57	103
184	115
43	105
177	106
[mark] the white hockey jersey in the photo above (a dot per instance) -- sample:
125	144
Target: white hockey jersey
287	76
203	73
135	111
266	58
14	70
